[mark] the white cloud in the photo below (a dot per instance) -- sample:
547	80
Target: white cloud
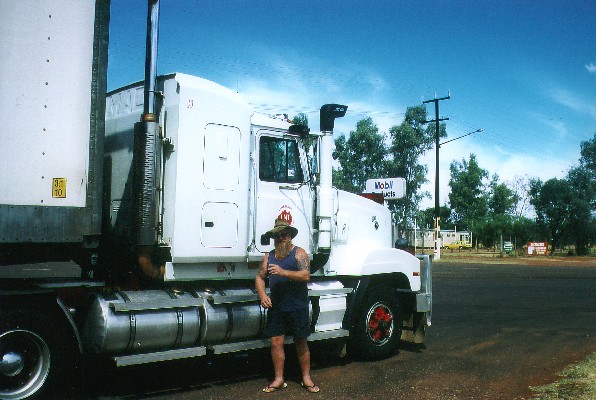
288	90
591	68
573	101
556	125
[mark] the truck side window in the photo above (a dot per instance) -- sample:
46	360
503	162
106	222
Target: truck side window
279	160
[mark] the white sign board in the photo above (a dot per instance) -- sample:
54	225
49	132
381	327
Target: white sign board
392	188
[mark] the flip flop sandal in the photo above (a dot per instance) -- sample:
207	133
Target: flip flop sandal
310	389
271	389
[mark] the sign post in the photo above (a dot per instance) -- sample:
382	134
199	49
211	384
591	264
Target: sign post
537	248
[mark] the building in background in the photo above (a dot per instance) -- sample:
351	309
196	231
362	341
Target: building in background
423	238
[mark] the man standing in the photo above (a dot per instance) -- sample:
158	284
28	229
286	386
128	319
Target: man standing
288	270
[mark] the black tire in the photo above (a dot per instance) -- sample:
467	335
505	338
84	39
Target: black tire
33	355
377	330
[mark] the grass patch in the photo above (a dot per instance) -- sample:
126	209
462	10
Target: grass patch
578	383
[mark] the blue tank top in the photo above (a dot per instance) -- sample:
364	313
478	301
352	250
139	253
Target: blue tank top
286	294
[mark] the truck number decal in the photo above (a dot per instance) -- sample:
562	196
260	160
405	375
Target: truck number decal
59	188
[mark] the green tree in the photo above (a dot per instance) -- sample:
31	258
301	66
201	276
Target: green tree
498	222
494	229
566	208
468	200
425	218
485	233
588	155
524	230
409	141
361	156
300	126
301	120
582	180
340	181
502	199
552	201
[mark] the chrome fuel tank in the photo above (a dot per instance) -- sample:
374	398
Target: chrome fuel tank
140	321
230	315
136	322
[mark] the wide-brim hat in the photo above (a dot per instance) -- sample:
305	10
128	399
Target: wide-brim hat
280	226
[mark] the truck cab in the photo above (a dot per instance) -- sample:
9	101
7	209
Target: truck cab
227	173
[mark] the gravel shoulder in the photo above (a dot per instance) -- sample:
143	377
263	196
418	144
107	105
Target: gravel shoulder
466	257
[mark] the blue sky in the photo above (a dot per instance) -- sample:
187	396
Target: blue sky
523	71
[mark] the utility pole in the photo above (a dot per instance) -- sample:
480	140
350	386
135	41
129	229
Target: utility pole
437	146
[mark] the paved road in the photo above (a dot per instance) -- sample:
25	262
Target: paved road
497	329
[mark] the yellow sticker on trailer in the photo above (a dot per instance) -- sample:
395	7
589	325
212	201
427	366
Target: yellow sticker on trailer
59	188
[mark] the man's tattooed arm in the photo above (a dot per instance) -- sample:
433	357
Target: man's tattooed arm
302	260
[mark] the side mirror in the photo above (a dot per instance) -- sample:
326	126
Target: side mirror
300	130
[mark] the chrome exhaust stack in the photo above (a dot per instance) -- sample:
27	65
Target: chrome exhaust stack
329	112
147	156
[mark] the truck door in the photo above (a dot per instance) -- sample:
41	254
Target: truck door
282	188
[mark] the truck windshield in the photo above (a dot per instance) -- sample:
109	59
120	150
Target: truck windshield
279	160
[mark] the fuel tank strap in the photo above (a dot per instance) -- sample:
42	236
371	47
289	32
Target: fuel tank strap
157	305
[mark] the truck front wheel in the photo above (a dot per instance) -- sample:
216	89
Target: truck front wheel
378	327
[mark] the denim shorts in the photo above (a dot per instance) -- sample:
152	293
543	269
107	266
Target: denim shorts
287	323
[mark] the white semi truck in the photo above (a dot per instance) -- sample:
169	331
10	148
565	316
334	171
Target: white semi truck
132	222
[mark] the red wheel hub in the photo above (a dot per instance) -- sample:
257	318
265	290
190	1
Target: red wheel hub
380	323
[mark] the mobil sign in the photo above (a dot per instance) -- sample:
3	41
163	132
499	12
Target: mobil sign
392	188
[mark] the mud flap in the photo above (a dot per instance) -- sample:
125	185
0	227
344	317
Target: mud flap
413	329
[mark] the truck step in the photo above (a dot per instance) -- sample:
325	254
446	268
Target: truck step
260	343
168	355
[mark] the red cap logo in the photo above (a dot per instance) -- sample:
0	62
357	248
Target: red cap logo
285	214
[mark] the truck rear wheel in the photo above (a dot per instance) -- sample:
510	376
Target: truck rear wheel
378	325
29	356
